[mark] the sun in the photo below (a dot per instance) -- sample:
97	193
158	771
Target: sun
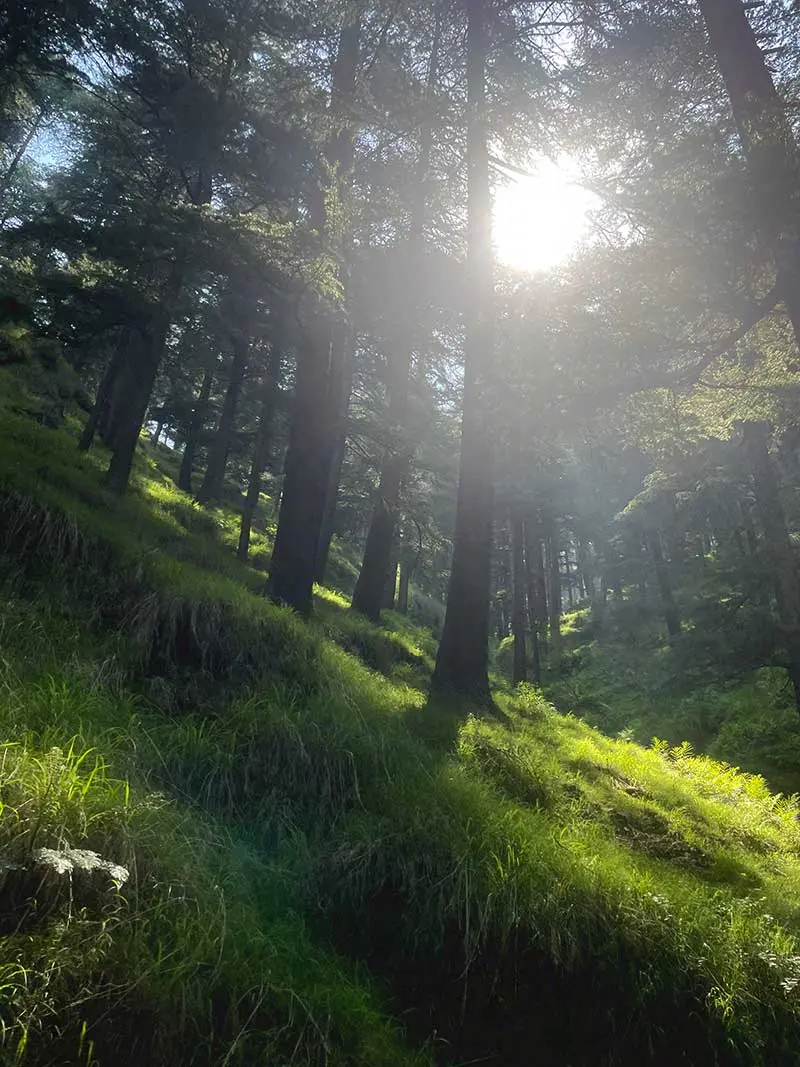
538	220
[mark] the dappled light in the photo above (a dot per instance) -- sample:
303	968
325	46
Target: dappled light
399	533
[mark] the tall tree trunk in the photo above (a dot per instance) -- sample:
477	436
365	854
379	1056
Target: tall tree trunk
136	380
99	418
766	136
199	415
780	555
664	580
316	413
554	593
537	595
462	661
261	448
372	577
390	587
402	587
520	671
341	371
211	487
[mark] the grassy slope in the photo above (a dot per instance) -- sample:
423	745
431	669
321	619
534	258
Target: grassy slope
313	851
628	681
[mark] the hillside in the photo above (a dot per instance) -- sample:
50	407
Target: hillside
226	839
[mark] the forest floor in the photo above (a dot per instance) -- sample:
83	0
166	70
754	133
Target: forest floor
230	836
629	682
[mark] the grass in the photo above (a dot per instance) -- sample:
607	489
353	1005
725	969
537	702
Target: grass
631	683
320	866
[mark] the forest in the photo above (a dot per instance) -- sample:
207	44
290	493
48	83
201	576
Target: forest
400	533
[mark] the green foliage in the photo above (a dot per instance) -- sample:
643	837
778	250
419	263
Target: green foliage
305	800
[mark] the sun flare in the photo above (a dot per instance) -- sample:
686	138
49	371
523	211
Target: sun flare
539	219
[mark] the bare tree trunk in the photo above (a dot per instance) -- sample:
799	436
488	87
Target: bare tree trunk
211	487
554	593
199	416
462	662
316	414
341	371
520	671
99	417
537	594
261	449
137	376
402	587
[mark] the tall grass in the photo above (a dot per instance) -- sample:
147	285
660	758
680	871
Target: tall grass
290	819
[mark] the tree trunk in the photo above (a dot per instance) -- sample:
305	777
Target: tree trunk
390	587
261	449
661	568
316	412
766	136
537	595
462	661
402	587
211	487
136	380
778	545
520	671
371	581
554	593
98	421
341	371
199	415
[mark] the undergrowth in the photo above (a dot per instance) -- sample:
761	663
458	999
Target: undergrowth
229	836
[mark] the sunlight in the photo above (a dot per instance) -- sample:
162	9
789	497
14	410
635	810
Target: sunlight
539	220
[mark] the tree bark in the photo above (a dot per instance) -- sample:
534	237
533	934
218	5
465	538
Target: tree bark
778	545
211	488
99	418
766	136
520	671
402	587
554	593
261	449
135	383
341	370
537	594
199	415
316	412
462	661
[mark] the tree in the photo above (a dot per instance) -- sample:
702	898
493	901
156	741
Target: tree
462	659
320	370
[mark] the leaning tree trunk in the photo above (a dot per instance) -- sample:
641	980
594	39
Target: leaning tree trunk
199	415
136	381
316	412
520	672
261	449
372	578
211	487
462	661
767	138
778	545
